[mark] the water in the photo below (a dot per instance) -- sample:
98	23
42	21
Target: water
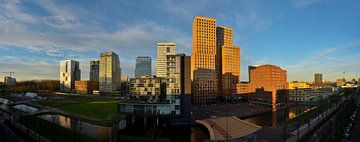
4	101
98	132
275	118
26	108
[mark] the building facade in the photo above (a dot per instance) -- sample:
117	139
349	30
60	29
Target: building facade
69	73
178	74
164	49
9	81
204	63
86	87
318	79
94	70
270	78
300	85
230	69
147	86
142	66
301	95
340	82
110	73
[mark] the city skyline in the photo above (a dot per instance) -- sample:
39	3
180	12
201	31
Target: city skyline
303	37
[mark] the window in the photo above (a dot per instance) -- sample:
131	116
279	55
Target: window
168	50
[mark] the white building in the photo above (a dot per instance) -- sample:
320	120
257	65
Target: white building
109	73
69	72
164	49
9	81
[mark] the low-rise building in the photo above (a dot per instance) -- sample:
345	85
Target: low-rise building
9	81
299	85
265	98
86	87
301	95
147	86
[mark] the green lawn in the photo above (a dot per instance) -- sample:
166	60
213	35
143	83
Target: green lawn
100	109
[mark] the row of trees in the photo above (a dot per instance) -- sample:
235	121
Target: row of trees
34	86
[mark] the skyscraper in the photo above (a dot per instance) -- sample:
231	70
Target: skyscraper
230	69
228	61
318	79
164	48
94	70
204	61
143	66
69	72
110	73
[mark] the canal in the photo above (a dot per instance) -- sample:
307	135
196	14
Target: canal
272	119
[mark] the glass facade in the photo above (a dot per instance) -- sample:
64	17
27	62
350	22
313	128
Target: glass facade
143	66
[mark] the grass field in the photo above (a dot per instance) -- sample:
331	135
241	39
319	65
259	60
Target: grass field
103	109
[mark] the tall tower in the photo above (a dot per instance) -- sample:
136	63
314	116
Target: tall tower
204	61
164	49
110	73
318	79
69	73
228	61
230	69
94	70
142	66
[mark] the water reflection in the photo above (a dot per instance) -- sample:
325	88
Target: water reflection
275	118
98	132
25	108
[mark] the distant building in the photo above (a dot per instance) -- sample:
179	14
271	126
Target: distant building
318	79
109	74
340	82
267	99
9	81
86	87
94	70
299	85
125	78
164	49
69	73
270	78
143	66
301	94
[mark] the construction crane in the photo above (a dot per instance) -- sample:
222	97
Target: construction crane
10	73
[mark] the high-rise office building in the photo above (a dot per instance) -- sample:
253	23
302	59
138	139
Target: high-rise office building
318	79
204	61
69	73
94	70
230	69
164	48
142	66
223	40
110	73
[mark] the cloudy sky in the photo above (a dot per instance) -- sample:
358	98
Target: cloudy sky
301	36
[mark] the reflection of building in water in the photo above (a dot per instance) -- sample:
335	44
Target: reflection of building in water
292	114
104	133
64	121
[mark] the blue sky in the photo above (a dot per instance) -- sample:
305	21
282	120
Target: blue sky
301	36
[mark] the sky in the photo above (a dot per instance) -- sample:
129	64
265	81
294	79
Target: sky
301	36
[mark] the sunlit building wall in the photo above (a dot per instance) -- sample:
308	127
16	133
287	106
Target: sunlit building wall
230	69
164	49
223	40
69	73
299	85
110	73
204	73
